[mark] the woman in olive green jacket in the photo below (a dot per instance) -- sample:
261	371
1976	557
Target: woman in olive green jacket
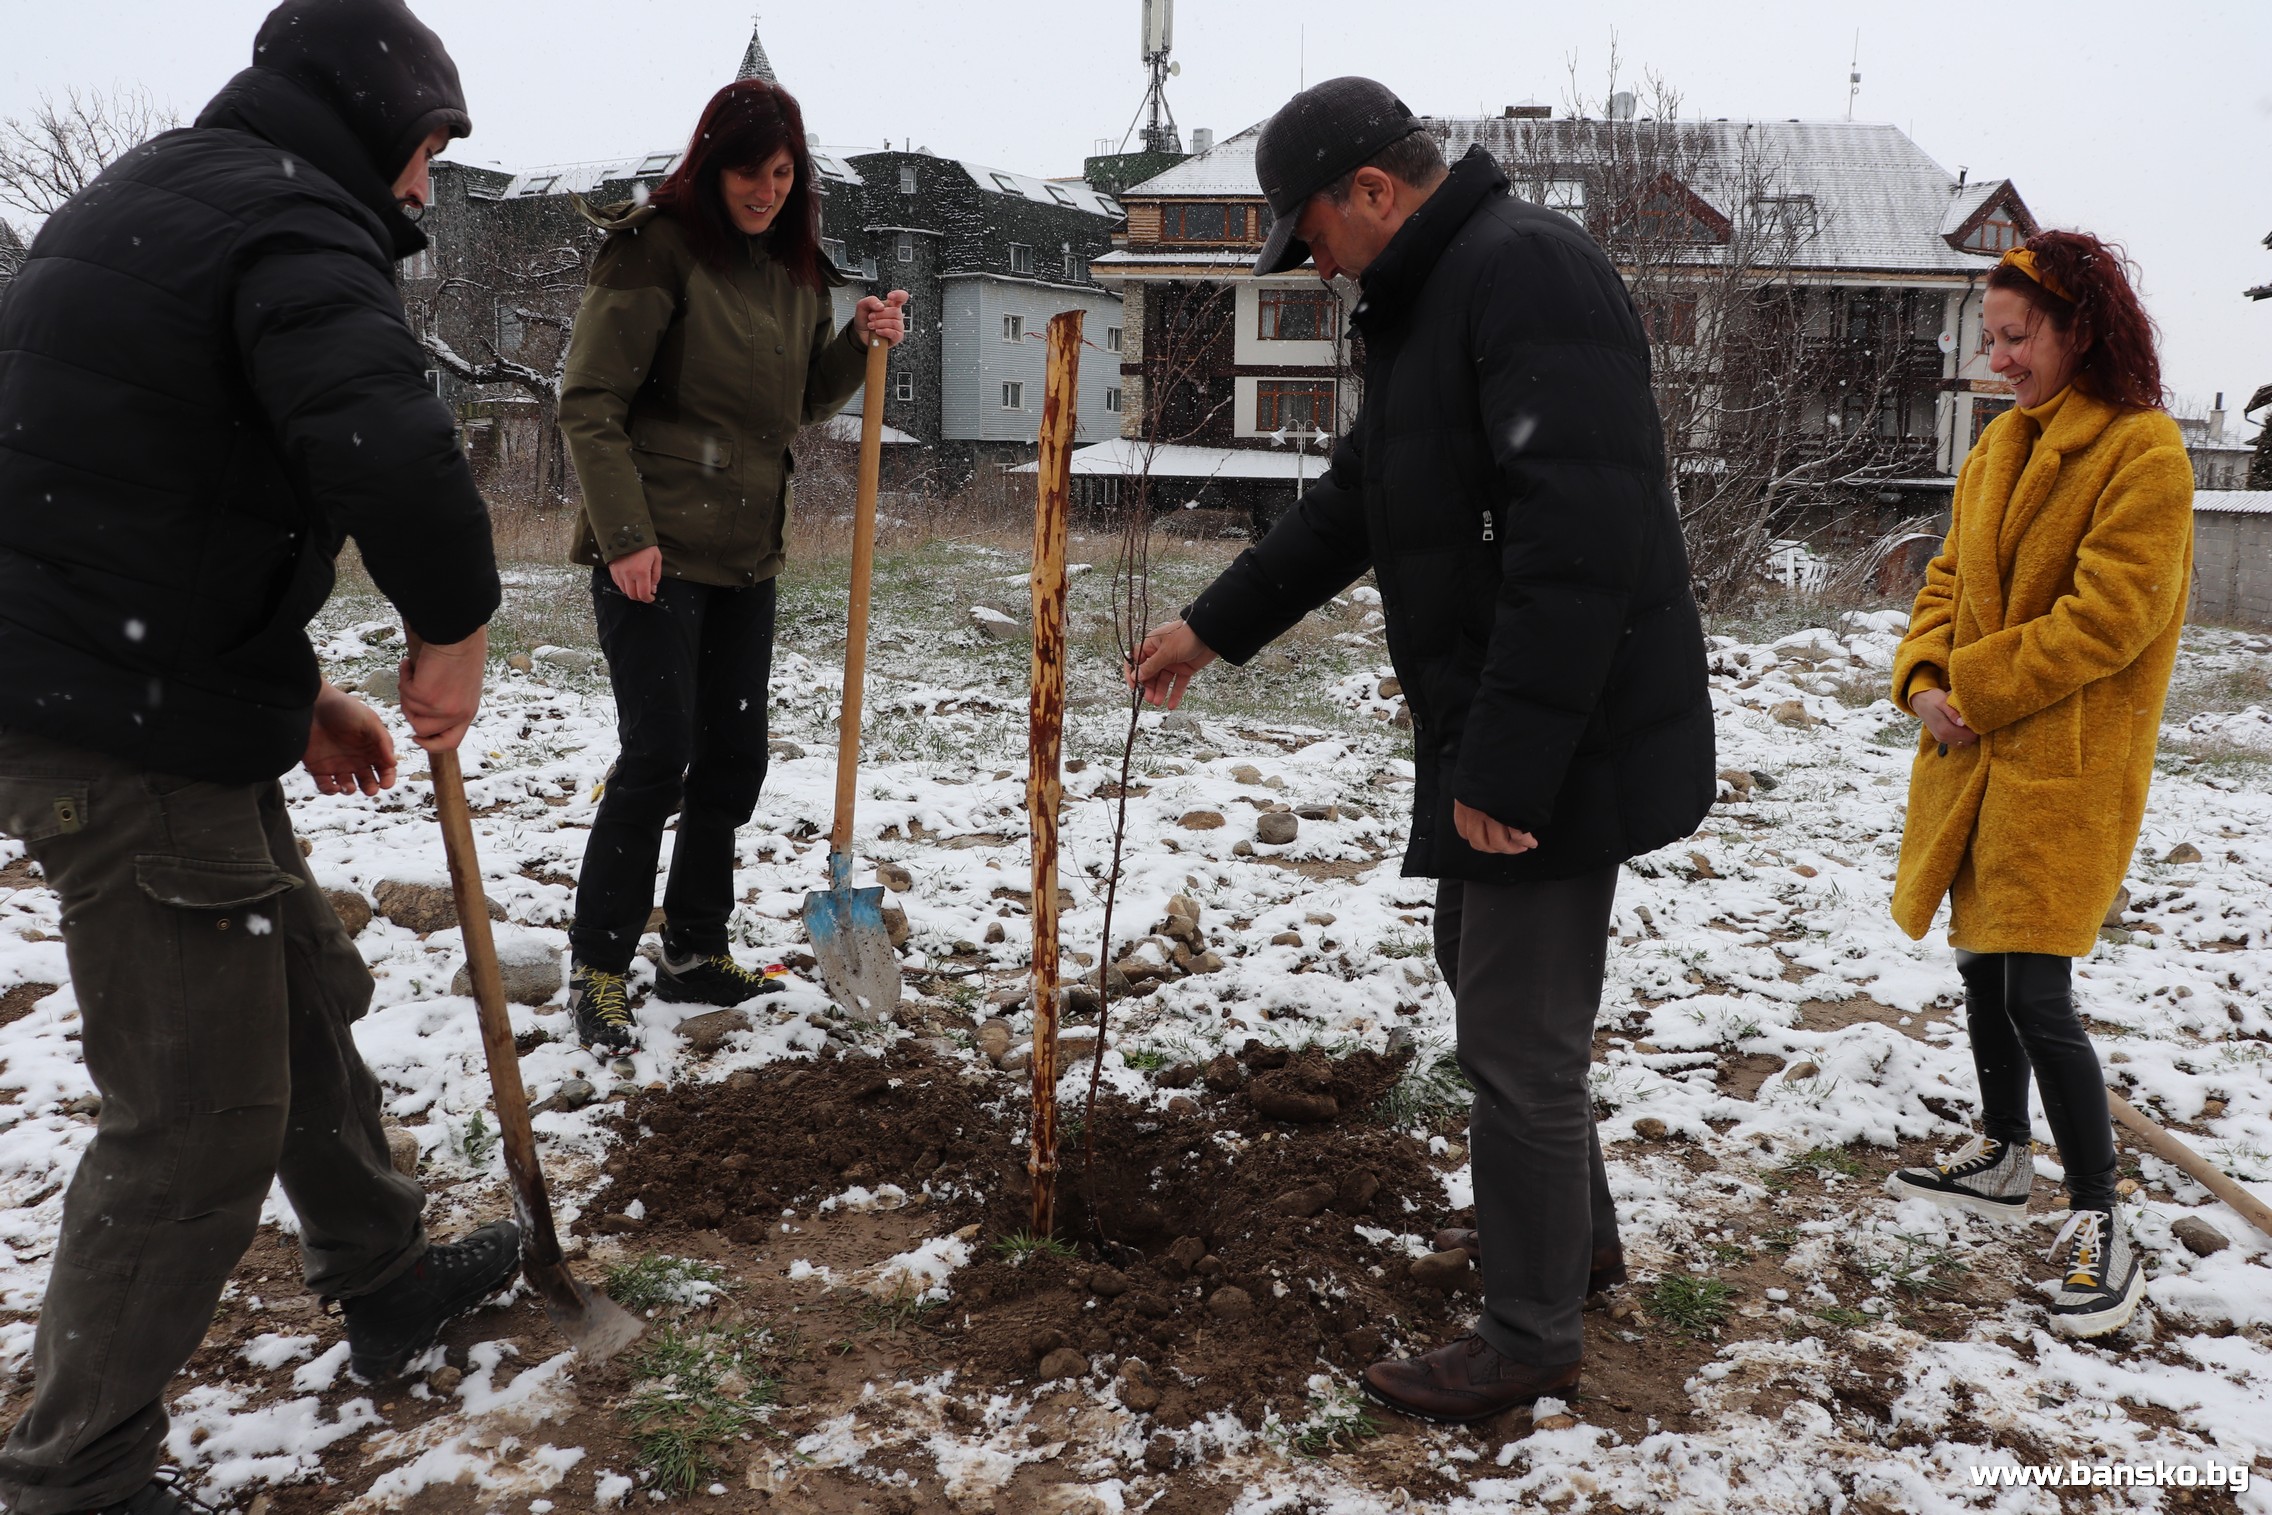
704	341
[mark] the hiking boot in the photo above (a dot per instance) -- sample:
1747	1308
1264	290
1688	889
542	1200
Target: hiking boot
162	1495
1608	1265
1467	1380
601	1003
387	1329
2105	1279
1988	1178
712	980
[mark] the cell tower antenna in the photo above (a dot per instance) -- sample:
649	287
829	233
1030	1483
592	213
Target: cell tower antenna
1158	22
1854	75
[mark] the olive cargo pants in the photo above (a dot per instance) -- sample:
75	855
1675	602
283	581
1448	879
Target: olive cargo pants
216	994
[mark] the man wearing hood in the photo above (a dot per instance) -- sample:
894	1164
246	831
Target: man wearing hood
207	384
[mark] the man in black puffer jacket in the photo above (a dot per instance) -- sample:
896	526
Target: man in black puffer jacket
206	385
1505	483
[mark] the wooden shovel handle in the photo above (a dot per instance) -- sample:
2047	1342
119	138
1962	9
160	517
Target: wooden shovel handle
856	620
2167	1147
540	1242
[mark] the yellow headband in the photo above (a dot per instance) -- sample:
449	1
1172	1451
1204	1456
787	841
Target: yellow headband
2023	259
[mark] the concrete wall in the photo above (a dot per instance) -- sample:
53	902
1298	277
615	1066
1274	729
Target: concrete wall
2232	568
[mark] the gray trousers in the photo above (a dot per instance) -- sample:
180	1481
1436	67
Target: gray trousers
216	993
1525	963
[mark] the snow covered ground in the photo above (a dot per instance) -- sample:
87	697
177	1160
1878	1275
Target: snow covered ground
1762	1012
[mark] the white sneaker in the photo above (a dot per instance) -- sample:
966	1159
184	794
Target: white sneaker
2106	1279
1988	1178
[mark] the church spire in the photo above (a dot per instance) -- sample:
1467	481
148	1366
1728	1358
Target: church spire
755	65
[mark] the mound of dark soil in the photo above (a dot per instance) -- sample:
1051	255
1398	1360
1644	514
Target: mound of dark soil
1217	1242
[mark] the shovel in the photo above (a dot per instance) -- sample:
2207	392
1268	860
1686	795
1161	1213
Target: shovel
594	1325
850	945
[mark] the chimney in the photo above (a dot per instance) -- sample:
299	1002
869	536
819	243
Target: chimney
1202	139
2217	418
1529	110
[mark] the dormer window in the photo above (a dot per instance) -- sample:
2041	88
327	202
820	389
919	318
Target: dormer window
1059	193
1021	258
541	186
1999	233
1203	223
655	163
1008	185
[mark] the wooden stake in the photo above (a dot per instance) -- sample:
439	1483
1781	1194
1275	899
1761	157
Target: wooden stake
1044	785
2171	1150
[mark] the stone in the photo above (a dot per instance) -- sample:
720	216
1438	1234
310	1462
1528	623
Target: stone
1180	721
1246	773
1281	1097
445	1379
1276	828
787	752
2126	1187
1160	1453
1792	713
1650	1129
896	926
993	1038
1363	1343
402	1151
1799	1072
521	662
1554	1422
1107	1283
1390	689
1140	1397
1441	1270
2198	1236
1287	939
1230	1303
1064	1363
353	910
1206	963
1079	998
383	685
422	907
1303	1203
894	877
2211	1109
1203	820
1242	849
1177	1076
2183	852
529	965
996	934
1223	1074
1183	1255
1318	812
1355	1190
573	1094
1184	908
2114	911
1183	1104
705	1034
1738	780
995	625
579	659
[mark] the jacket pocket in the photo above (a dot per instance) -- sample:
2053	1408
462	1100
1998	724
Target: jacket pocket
714	454
190	883
2047	744
35	810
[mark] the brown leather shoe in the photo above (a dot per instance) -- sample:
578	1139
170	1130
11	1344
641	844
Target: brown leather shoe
1468	1380
1608	1267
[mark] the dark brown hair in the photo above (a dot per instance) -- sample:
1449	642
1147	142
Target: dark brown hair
2099	312
742	127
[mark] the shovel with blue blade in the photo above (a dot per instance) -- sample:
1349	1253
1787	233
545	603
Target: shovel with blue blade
851	945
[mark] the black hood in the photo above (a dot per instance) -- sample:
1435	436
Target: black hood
379	67
281	110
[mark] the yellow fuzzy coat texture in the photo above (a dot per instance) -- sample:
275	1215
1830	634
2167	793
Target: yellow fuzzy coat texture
2052	618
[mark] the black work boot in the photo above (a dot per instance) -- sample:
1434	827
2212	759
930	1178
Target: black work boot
387	1329
601	1003
708	980
163	1495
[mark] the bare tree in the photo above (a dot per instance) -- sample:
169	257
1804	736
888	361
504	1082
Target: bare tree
60	148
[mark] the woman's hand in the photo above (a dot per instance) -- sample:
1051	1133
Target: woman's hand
348	746
1171	657
1942	719
885	318
638	574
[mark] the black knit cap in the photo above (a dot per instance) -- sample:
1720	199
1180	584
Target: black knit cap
374	63
1316	137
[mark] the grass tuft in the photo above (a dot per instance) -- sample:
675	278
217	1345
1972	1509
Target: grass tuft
1691	1305
1338	1419
695	1393
655	1282
1021	1247
1432	1088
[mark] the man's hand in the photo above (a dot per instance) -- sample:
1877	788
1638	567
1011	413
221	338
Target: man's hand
1169	660
441	688
638	574
885	318
1942	719
348	746
1487	835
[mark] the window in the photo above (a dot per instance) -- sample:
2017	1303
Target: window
2000	233
1112	339
906	247
903	386
1671	321
1565	195
1985	410
1792	218
1059	193
1203	223
420	264
1013	395
1303	405
835	250
654	163
1008	185
1021	258
907	178
540	186
868	270
1013	328
1112	401
1297	315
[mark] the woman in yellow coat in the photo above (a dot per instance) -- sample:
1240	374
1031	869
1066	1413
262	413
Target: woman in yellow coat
2038	656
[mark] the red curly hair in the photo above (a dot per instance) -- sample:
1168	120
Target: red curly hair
742	127
2104	318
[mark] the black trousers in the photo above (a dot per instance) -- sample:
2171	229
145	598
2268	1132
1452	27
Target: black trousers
692	672
1525	962
2020	1009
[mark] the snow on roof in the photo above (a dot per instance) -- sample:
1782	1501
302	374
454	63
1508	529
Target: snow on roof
1070	193
1125	457
1881	202
584	178
844	426
2244	502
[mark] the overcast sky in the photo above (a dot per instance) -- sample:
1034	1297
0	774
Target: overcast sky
2150	125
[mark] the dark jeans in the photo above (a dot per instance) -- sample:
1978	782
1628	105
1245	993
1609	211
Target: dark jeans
217	992
2020	1011
1525	962
692	673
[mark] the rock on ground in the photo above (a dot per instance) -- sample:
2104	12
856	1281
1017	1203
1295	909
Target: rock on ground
529	965
422	907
